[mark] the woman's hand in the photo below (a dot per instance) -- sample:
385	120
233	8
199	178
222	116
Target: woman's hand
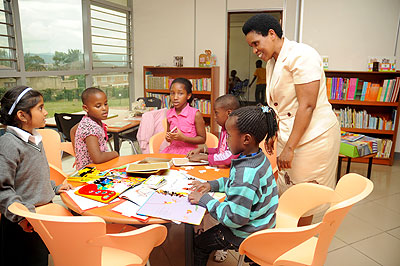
26	226
193	152
203	187
285	158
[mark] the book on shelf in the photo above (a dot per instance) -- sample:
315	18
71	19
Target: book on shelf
355	89
164	83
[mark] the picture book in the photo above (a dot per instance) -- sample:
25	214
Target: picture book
172	208
351	136
92	191
149	164
86	174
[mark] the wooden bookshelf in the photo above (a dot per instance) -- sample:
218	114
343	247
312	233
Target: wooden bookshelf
189	73
384	109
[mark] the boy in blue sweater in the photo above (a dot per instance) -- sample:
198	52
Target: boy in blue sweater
251	193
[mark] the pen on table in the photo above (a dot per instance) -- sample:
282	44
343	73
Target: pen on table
126	198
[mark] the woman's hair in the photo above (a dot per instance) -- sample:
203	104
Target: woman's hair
26	103
261	24
258	121
187	84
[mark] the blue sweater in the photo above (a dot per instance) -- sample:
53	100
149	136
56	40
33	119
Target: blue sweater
251	197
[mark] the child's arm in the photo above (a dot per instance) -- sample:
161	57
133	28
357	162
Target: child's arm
200	130
95	153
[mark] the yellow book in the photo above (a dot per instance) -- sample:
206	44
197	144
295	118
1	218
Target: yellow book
379	94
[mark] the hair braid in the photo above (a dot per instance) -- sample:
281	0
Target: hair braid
256	121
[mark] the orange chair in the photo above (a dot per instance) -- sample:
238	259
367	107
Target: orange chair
53	146
288	244
211	140
156	140
271	158
82	240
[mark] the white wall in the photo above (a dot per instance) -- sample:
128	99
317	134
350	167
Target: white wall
347	31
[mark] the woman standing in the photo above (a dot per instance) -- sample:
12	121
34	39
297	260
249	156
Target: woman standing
309	133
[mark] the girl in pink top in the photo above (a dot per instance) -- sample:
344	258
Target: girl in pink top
91	135
185	124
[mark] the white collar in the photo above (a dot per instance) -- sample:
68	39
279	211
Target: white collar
35	138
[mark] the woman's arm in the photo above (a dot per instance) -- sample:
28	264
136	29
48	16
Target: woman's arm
200	130
307	95
95	153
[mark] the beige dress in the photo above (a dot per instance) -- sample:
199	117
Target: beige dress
316	156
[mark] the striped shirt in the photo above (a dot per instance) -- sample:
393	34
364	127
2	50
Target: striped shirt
251	197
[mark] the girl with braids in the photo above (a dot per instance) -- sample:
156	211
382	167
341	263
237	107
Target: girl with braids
24	176
251	193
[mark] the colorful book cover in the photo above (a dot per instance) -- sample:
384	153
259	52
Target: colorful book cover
364	90
374	90
378	97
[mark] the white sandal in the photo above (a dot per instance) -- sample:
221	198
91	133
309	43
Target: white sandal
220	255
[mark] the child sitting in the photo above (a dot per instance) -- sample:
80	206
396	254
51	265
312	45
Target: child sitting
221	155
185	124
91	134
25	176
251	192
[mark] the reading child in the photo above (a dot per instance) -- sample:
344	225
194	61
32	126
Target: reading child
223	106
25	176
251	192
185	124
91	134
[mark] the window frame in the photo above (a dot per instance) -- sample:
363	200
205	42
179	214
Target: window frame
21	75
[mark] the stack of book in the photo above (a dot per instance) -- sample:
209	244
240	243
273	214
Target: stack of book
357	145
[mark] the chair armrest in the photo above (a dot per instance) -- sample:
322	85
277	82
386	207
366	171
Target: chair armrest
140	241
57	175
276	242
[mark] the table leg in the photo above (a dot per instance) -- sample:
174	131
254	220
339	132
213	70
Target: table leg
116	141
339	169
348	165
369	168
189	236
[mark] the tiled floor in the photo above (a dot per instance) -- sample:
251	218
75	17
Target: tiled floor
369	234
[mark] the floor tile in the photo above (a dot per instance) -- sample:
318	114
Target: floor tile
395	232
336	243
383	248
354	229
348	256
391	202
376	215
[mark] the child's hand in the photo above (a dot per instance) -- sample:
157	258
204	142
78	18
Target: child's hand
203	187
26	226
168	136
195	197
178	135
65	187
198	157
193	152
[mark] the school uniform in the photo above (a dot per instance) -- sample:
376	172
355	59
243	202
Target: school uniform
316	155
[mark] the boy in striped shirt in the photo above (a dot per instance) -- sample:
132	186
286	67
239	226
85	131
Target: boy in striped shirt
251	193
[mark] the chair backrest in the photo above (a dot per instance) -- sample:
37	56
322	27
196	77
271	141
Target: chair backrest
288	244
211	140
80	240
156	141
65	122
151	101
271	158
53	147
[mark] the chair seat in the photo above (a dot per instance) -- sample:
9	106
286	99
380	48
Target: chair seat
116	257
303	254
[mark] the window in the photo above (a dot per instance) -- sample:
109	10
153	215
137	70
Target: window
7	38
52	34
110	37
67	46
117	91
